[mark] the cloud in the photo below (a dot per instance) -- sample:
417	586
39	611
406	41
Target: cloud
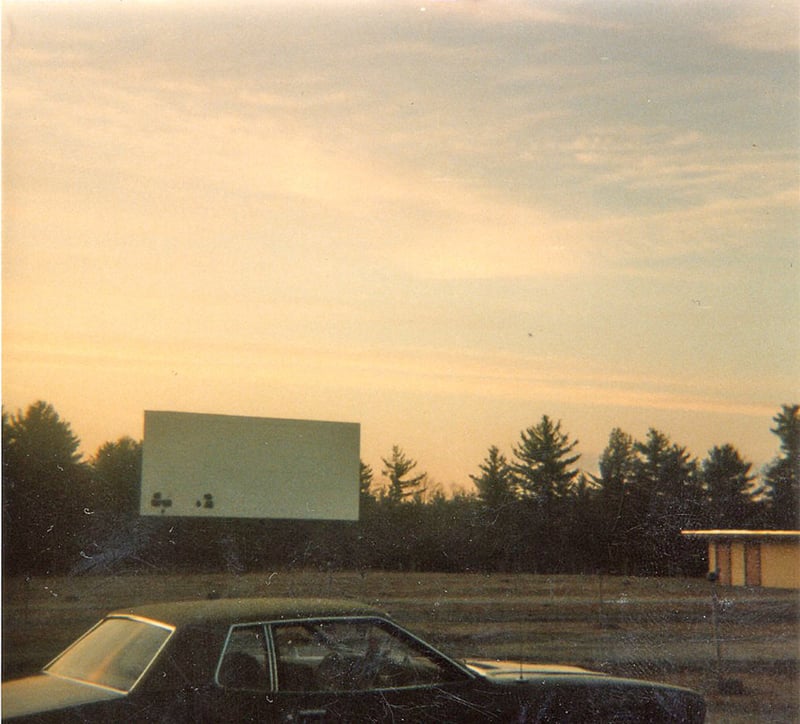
419	372
375	205
270	171
751	26
508	12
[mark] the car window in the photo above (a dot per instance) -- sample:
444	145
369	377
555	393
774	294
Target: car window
244	663
115	653
350	655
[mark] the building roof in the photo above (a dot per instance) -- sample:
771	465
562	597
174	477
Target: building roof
761	534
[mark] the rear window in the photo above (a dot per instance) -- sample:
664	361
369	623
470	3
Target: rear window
115	653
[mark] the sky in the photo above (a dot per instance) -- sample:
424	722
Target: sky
441	220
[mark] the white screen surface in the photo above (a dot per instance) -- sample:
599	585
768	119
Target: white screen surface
227	466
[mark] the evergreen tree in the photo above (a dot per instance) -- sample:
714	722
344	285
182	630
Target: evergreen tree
544	479
365	480
617	465
614	512
496	482
497	509
115	533
667	499
782	478
543	462
727	485
116	478
45	491
397	469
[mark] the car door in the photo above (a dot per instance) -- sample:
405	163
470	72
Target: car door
342	670
242	689
337	670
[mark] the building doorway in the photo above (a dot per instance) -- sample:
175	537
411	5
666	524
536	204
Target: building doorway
752	563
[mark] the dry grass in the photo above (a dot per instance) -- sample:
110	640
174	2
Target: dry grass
652	628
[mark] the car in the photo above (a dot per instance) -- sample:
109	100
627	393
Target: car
310	660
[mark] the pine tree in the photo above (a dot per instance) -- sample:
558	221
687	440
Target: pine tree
782	478
543	462
614	510
727	487
667	499
44	491
396	469
496	482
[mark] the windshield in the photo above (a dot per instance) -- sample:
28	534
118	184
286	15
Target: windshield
115	653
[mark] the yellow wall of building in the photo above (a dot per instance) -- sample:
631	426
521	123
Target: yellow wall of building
780	564
774	560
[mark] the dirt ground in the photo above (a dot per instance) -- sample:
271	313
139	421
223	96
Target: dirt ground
648	628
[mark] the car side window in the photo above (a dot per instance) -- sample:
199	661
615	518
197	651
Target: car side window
244	664
352	655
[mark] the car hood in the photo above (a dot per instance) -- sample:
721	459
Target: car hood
42	693
518	671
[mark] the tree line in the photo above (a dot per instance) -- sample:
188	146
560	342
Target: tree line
530	510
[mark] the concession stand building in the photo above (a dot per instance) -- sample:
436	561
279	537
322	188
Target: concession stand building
769	558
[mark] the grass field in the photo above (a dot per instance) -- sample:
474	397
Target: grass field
647	628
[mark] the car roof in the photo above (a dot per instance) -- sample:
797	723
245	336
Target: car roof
244	610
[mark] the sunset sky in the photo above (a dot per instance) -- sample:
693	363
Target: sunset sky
441	220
